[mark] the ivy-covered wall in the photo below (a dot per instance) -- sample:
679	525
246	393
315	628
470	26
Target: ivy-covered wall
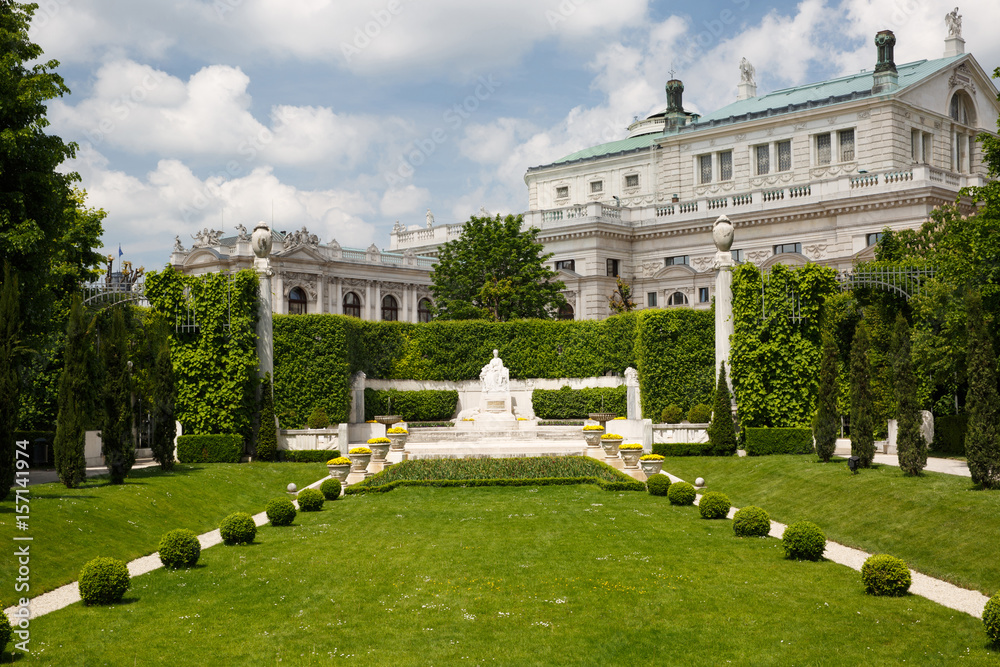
675	352
215	366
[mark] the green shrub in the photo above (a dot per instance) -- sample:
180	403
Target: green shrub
803	540
766	441
700	414
6	632
682	448
566	403
179	548
209	448
238	528
426	405
672	414
949	434
318	418
103	581
311	500
675	355
280	511
308	455
751	521
885	575
658	485
991	618
681	493
267	430
714	505
331	488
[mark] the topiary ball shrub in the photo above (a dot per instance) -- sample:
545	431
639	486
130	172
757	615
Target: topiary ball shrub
658	485
803	541
700	414
991	618
681	493
310	500
330	488
179	548
238	528
280	511
751	522
6	632
104	581
883	574
672	414
714	505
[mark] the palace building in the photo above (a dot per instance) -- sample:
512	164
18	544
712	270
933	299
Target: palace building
812	173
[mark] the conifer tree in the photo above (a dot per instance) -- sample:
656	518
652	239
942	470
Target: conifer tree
722	430
982	438
77	405
117	435
161	392
10	350
267	434
910	445
862	428
826	420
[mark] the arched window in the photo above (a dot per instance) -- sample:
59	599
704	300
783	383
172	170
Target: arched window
677	299
565	312
352	305
390	308
963	141
424	310
296	301
962	110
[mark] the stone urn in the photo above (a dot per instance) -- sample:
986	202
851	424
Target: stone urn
611	444
388	420
360	458
593	437
651	466
631	457
339	472
379	450
397	439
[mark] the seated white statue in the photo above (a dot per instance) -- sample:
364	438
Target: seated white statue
494	376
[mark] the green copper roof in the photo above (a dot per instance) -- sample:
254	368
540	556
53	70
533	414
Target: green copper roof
620	146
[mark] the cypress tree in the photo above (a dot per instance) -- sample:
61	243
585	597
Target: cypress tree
910	445
76	397
722	430
267	434
826	420
10	351
862	428
982	438
117	435
161	393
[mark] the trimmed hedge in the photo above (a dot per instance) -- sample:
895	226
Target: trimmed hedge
682	448
991	618
331	488
311	500
885	575
949	434
803	540
672	414
675	356
179	548
566	403
429	405
700	414
104	581
209	448
751	521
6	632
238	528
633	485
766	441
681	493
658	485
307	455
714	505
280	511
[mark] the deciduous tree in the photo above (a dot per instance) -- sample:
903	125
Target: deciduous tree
10	353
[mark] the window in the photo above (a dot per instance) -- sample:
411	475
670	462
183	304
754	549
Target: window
962	110
784	155
613	268
726	166
352	305
651	299
296	301
424	310
562	192
823	149
632	181
676	261
787	247
737	255
705	169
390	308
872	239
846	145
596	187
566	264
565	312
677	299
763	159
702	295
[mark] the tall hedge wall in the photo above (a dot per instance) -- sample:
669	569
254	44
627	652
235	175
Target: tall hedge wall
566	403
675	352
413	406
311	368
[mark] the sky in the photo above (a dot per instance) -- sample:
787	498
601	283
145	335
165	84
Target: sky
346	116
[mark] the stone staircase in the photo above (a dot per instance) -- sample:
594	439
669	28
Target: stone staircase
495	442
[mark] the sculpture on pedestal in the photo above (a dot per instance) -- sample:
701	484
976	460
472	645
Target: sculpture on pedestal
494	376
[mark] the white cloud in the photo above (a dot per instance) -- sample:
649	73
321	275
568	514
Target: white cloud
399	202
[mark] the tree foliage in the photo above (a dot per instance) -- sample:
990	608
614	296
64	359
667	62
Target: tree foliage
78	393
117	425
10	353
910	445
495	271
826	421
722	430
267	431
156	381
862	428
620	300
982	439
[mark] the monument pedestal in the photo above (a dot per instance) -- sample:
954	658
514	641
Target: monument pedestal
495	408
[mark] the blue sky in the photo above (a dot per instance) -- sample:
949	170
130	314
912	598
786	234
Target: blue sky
347	116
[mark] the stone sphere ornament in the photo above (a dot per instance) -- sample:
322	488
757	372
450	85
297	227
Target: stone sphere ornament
291	488
261	240
700	481
722	234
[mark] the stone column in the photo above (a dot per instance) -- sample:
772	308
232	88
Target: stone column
338	293
278	292
320	295
261	242
632	400
367	310
377	315
722	234
406	304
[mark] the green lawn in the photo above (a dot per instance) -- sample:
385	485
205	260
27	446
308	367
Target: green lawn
939	524
508	576
71	526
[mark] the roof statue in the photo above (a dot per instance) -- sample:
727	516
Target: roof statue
483	213
954	22
206	237
241	233
396	228
430	219
747	71
301	237
178	246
